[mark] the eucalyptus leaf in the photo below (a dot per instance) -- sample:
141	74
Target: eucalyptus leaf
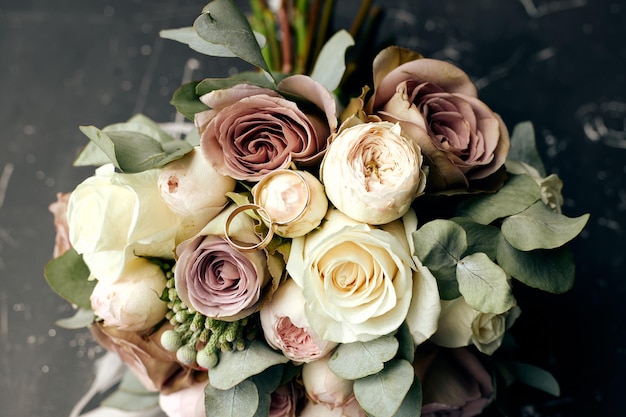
242	400
91	155
266	382
480	237
382	394
131	395
187	101
523	147
412	404
141	124
484	285
68	276
539	227
222	23
82	318
237	366
447	283
360	359
534	377
208	85
330	64
548	270
439	243
133	151
406	349
517	194
190	37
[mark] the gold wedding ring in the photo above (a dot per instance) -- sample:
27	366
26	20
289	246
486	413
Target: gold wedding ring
261	212
263	182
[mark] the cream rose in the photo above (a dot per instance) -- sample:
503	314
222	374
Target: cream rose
285	326
460	325
372	173
322	386
359	281
194	190
188	402
295	201
115	217
132	302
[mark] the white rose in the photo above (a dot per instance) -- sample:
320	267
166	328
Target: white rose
295	201
359	281
372	173
115	217
132	303
461	325
194	190
285	326
323	386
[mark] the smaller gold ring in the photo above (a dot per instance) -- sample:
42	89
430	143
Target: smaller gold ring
253	247
304	207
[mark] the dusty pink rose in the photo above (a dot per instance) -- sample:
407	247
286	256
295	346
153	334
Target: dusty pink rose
251	131
466	140
285	400
285	326
216	279
188	402
59	210
454	383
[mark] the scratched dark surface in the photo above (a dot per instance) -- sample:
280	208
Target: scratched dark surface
559	63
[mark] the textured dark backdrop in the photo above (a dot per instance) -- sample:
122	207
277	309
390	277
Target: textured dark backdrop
559	63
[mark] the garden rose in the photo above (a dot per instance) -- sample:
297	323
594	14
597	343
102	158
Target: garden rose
468	141
156	368
251	131
284	401
59	210
461	325
216	279
283	194
322	386
187	402
133	301
194	190
454	383
115	217
380	172
285	326
359	281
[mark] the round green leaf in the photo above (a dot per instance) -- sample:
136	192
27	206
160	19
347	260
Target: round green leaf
68	276
548	270
241	400
382	394
330	64
439	243
359	359
236	366
517	194
484	284
480	237
523	147
539	227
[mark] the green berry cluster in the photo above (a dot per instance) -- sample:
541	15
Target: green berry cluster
198	339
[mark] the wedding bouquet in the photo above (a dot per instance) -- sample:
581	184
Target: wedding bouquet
307	249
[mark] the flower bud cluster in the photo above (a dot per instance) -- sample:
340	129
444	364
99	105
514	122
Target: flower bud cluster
198	339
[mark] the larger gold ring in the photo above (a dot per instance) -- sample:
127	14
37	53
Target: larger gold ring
261	213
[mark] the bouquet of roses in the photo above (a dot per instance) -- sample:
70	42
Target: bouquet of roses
304	251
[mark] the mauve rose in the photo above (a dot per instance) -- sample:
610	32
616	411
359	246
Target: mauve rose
284	401
468	141
216	279
454	382
59	210
251	131
156	368
187	402
285	325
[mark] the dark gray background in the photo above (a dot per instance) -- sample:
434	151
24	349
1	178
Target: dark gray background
559	63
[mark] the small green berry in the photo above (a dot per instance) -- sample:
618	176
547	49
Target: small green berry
186	354
171	341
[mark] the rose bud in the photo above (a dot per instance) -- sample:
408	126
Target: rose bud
294	200
194	190
286	328
323	386
133	302
461	325
372	173
352	409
